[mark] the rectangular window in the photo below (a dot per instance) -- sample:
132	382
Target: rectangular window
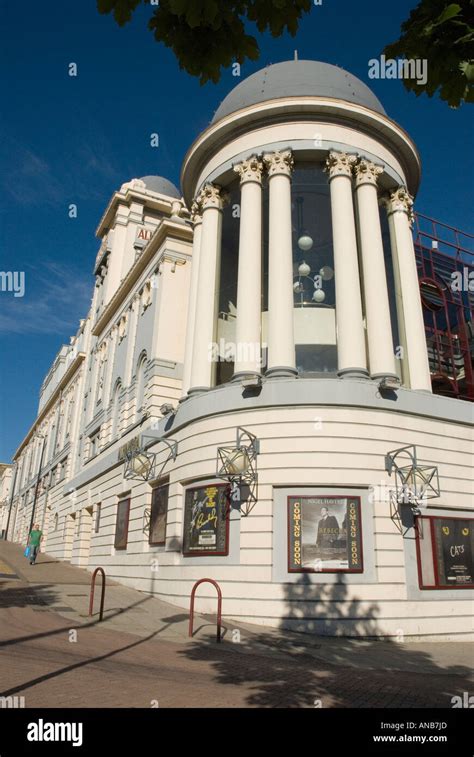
324	534
159	511
62	469
121	525
94	443
97	517
445	552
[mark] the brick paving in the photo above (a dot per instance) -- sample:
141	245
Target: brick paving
108	667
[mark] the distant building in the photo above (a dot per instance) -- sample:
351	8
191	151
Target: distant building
256	346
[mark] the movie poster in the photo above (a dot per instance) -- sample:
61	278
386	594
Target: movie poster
158	514
206	525
121	524
325	534
454	547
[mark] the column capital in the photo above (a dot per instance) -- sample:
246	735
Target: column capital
399	200
196	212
212	196
279	163
340	164
367	172
250	169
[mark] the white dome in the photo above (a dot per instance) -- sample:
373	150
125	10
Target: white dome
298	78
161	185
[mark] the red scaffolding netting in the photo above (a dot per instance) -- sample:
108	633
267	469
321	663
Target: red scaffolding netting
445	262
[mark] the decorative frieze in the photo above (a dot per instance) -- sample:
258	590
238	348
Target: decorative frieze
250	169
146	295
196	212
367	172
122	327
279	163
340	164
212	196
399	200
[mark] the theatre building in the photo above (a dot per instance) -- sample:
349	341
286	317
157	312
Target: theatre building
273	385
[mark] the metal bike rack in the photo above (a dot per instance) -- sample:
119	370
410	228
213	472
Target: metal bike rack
102	598
219	605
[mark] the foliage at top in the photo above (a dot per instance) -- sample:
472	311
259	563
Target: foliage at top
442	33
208	35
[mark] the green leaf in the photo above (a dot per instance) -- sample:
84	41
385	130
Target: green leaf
468	38
193	15
449	12
467	67
178	7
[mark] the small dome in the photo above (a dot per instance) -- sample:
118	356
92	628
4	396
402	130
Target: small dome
298	78
161	185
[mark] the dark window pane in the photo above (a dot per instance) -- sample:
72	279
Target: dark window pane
121	526
159	510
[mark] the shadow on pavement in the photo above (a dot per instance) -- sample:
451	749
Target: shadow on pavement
281	670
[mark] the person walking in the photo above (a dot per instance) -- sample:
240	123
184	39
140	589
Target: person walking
34	541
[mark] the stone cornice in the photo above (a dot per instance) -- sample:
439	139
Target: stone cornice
166	230
150	202
292	109
70	372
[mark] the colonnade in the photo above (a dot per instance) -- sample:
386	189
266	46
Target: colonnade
364	344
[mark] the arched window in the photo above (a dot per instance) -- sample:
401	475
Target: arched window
116	409
140	384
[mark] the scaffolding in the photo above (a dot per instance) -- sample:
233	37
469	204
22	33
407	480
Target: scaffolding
445	263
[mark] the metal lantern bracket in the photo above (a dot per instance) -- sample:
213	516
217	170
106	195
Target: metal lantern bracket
151	471
245	483
414	483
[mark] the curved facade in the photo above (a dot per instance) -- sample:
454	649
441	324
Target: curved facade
277	306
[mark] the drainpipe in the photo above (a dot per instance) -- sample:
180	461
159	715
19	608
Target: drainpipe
37	486
11	501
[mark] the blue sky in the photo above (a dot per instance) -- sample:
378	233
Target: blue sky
76	139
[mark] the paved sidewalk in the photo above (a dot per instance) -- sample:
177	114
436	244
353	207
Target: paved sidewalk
53	654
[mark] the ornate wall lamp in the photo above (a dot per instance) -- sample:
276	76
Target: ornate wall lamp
414	483
140	464
238	466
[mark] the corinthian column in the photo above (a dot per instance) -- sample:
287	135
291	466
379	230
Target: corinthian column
212	199
249	283
351	355
400	215
281	339
377	308
196	218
